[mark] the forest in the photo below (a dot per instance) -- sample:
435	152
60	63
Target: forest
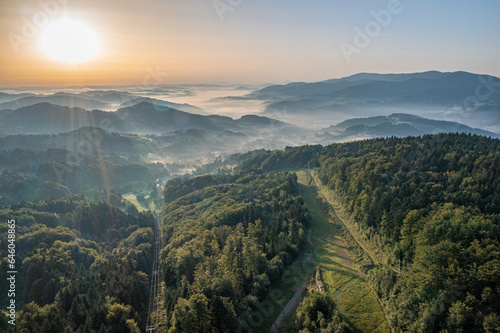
82	266
225	243
433	203
79	171
430	204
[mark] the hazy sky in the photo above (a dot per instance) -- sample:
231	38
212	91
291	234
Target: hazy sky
250	40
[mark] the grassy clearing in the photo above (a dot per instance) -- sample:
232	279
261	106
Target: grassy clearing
358	235
362	309
340	276
353	296
132	198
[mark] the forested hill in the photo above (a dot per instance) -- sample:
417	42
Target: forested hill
227	239
432	204
82	267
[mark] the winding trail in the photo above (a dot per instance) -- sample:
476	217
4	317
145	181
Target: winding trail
290	307
340	290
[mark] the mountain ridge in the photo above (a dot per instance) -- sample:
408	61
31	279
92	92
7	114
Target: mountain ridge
398	125
141	118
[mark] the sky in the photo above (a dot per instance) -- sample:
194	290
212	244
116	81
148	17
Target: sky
249	41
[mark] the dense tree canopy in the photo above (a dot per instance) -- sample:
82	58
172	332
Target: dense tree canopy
436	202
225	244
431	204
82	266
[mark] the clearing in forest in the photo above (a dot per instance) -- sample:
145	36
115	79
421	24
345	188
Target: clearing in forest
353	297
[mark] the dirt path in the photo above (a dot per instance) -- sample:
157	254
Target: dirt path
290	307
346	261
368	248
309	237
295	301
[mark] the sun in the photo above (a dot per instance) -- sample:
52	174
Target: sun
69	41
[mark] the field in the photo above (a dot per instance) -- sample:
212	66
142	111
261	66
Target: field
132	198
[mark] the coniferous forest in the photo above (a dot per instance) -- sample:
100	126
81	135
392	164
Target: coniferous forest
82	266
233	242
434	202
430	204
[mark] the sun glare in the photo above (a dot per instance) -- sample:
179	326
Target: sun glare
69	41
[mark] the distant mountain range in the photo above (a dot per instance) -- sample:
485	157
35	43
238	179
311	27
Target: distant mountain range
97	99
180	145
5	97
459	96
141	118
181	107
155	127
63	99
467	98
155	132
433	88
398	125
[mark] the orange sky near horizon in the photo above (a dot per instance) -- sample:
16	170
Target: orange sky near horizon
125	53
137	44
254	43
